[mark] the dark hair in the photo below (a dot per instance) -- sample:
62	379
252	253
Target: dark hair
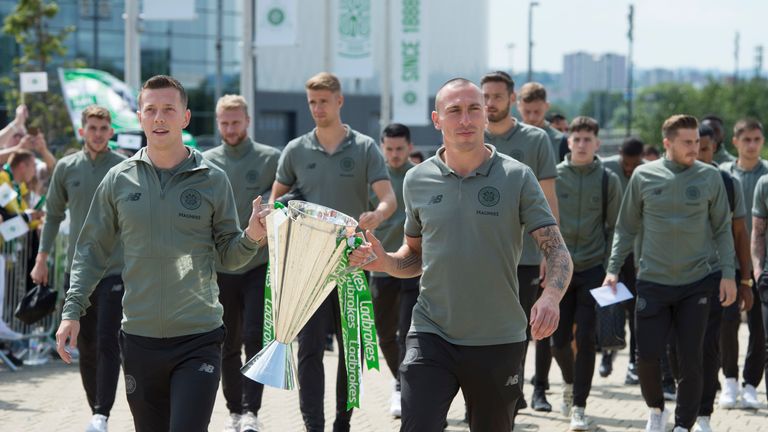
649	149
631	146
161	82
417	154
584	123
676	122
554	117
712	118
706	131
499	76
396	130
747	124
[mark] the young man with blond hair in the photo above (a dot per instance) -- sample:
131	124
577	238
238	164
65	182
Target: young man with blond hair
333	165
677	205
251	168
72	187
174	214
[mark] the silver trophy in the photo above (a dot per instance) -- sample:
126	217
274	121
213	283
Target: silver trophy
306	245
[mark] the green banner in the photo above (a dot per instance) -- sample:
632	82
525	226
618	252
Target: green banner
357	320
83	87
269	319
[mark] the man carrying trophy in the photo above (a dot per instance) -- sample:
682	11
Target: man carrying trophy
332	165
172	211
466	209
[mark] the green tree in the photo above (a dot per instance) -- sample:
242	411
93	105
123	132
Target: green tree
29	25
601	105
730	101
655	104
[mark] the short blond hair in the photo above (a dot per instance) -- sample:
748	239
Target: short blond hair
232	102
95	111
324	81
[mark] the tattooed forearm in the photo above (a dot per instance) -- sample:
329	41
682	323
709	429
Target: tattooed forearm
410	260
559	264
758	243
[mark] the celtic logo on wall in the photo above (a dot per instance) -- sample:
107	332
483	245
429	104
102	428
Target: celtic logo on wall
409	97
276	16
354	28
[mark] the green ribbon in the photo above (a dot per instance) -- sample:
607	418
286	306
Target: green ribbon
358	329
269	318
269	314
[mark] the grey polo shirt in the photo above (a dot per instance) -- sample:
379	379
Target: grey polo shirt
531	146
339	180
471	229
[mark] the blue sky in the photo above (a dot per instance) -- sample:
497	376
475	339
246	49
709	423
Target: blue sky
668	33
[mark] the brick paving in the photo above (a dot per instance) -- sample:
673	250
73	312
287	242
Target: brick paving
50	398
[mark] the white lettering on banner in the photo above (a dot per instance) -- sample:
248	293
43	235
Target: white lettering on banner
409	87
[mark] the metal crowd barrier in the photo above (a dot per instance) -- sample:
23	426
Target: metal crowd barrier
36	341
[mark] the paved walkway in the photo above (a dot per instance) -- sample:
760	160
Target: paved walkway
50	398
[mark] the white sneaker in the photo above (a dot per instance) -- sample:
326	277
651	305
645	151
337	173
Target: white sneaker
249	422
702	425
657	420
98	424
394	405
729	394
233	423
578	419
749	397
567	403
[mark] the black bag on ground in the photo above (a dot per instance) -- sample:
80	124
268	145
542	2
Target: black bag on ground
38	303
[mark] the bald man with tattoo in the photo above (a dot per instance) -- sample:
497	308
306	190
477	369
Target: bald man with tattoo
470	204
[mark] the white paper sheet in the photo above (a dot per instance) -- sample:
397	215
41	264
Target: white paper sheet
7	194
13	227
605	297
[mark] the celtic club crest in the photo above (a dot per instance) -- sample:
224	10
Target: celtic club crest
354	28
191	199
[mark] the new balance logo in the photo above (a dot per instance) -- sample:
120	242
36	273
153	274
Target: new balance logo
205	367
703	300
436	199
311	166
134	196
657	191
513	380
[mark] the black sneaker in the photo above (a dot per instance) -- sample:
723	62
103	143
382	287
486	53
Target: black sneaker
606	364
539	401
632	378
